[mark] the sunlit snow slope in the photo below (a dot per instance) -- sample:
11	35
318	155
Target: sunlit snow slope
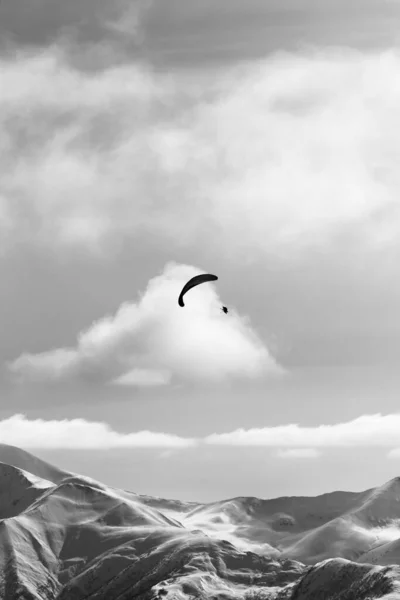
67	537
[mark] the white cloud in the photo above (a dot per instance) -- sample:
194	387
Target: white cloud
148	342
367	430
298	453
79	433
273	158
288	441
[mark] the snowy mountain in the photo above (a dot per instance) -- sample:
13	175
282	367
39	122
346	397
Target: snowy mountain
67	537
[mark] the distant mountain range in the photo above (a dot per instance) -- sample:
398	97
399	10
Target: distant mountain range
68	537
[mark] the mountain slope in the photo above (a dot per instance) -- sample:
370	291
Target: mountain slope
16	457
67	537
18	490
341	524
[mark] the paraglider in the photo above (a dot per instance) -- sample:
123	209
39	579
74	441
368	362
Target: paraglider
193	282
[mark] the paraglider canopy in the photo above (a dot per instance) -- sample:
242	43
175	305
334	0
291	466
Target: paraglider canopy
193	282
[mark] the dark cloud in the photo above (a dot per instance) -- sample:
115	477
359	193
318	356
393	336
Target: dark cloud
90	29
181	33
185	33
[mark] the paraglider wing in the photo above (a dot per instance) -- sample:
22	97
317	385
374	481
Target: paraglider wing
192	283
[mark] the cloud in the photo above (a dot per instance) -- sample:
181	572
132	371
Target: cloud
394	453
81	434
293	154
289	441
143	377
232	31
153	340
169	453
368	430
298	453
78	25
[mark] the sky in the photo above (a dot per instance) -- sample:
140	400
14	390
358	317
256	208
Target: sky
145	142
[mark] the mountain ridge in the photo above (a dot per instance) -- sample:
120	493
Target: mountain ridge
69	537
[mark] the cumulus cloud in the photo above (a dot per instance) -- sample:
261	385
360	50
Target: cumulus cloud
81	434
298	453
287	155
153	340
367	430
